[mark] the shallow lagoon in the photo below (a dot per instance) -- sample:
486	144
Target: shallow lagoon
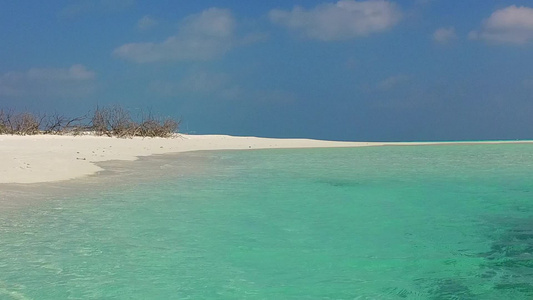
413	222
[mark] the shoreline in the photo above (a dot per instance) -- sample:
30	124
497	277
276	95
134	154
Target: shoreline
114	175
55	158
51	158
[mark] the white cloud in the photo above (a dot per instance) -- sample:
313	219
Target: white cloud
346	19
146	23
71	82
444	35
203	36
512	25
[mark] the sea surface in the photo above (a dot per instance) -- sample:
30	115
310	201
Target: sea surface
402	222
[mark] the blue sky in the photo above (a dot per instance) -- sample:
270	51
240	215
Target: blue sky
346	70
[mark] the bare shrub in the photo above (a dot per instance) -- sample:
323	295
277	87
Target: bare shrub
23	124
120	122
3	122
59	124
108	120
99	122
169	127
6	121
27	124
54	124
152	127
113	121
117	121
74	126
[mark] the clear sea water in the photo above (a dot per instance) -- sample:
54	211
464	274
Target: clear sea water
416	222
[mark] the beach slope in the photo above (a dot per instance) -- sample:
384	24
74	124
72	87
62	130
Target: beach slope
49	158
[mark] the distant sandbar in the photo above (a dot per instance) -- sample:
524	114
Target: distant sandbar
49	158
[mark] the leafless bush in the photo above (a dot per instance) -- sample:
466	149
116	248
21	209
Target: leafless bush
7	121
120	122
26	124
3	122
151	126
113	121
59	124
109	120
170	127
155	128
117	121
23	123
99	122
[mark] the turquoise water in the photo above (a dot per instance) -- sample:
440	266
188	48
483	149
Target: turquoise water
418	222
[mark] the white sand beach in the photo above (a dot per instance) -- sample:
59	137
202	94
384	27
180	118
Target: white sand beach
50	158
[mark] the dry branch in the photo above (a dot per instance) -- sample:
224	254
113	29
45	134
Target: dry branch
109	120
